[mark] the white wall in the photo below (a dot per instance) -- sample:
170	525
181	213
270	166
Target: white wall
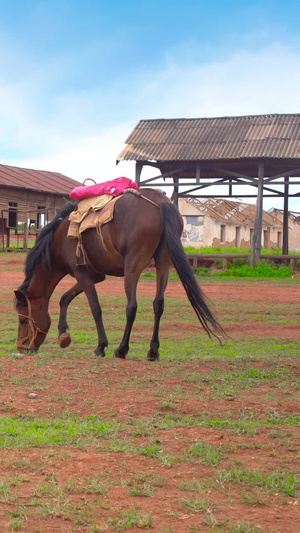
202	230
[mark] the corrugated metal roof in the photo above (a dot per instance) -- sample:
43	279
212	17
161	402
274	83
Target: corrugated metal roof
38	180
230	212
257	136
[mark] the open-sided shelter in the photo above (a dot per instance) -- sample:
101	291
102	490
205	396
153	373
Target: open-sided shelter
260	151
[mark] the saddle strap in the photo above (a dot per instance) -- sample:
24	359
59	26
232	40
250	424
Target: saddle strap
138	193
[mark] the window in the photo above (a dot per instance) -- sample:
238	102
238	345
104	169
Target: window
251	235
267	232
194	220
12	214
193	228
237	236
279	239
223	233
41	216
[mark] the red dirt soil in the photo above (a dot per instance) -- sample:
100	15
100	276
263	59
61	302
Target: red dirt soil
137	390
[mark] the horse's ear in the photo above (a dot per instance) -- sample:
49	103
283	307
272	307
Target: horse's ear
21	297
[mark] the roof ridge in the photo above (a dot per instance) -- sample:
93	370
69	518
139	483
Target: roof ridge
221	117
33	169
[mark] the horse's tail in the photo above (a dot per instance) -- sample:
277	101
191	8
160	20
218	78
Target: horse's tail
172	224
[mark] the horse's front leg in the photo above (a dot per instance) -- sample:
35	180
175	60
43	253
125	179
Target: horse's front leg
87	283
130	283
158	308
64	336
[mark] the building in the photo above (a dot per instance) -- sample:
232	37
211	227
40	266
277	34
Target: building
294	227
28	200
224	223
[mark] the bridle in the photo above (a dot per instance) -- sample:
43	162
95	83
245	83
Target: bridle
33	330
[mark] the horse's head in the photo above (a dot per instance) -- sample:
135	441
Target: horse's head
34	323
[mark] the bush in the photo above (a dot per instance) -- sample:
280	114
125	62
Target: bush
261	270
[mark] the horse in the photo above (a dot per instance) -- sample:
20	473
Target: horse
145	226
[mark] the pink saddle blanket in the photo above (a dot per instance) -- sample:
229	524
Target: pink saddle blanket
114	187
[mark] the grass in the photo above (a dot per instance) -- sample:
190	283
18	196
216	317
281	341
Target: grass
274	482
260	270
220	249
23	432
130	519
113	445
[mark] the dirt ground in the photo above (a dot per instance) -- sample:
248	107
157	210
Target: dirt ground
134	390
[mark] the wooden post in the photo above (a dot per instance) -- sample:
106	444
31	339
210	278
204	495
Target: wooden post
26	230
26	225
138	171
7	238
198	173
175	193
256	244
285	237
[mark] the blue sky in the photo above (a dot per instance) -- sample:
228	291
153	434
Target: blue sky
76	76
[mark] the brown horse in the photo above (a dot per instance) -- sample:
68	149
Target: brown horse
145	225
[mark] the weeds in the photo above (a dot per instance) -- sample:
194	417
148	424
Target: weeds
130	519
176	438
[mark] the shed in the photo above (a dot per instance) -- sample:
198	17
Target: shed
28	200
260	151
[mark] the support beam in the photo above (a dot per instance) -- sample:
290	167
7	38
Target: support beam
198	172
138	171
175	193
285	237
26	231
288	173
163	175
256	244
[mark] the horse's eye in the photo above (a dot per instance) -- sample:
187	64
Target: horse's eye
23	321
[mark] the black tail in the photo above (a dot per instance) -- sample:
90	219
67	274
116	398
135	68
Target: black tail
172	223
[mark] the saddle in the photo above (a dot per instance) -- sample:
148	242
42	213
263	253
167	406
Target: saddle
92	212
89	213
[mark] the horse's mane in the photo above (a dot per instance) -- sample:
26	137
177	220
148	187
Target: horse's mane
41	250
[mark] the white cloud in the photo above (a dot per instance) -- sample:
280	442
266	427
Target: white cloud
81	133
248	82
87	157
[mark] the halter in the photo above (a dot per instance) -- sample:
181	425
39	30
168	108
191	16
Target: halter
33	332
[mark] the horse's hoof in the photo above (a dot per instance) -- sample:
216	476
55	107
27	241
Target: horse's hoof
64	340
100	354
119	355
152	356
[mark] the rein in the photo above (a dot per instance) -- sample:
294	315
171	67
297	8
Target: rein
33	330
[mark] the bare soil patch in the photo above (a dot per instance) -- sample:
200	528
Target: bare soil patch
155	473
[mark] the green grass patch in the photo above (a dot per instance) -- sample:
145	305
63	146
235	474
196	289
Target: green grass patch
274	481
261	270
24	432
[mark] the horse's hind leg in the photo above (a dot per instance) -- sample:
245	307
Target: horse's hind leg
130	282
162	270
63	335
